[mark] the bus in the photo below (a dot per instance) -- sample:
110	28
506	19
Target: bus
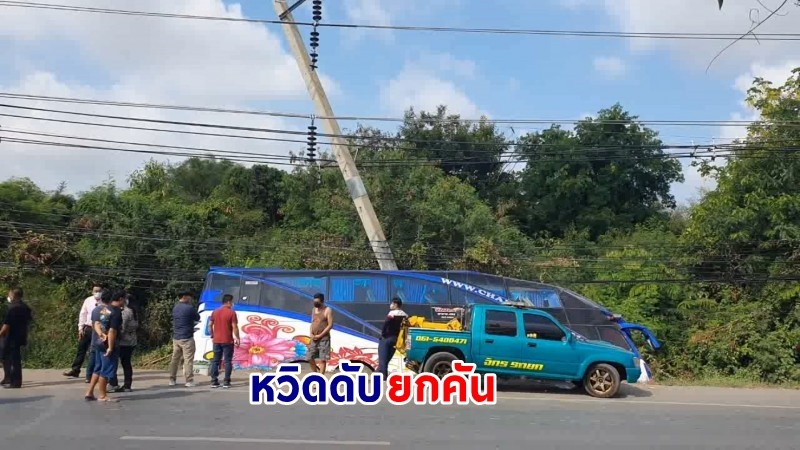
273	308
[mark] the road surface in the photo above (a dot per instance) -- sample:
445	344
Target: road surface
50	412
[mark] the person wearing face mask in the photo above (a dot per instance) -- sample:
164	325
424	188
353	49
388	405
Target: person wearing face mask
319	349
389	334
85	336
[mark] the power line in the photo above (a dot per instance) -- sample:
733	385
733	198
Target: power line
262	160
503	31
280	160
565	156
532	121
292	132
199	149
568	246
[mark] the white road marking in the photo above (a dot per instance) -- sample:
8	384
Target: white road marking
252	441
610	401
649	402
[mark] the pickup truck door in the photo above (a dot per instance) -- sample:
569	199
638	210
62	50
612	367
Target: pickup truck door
497	342
547	350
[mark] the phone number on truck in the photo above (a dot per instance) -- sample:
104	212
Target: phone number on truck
441	340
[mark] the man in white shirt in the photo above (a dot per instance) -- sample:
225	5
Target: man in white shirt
85	335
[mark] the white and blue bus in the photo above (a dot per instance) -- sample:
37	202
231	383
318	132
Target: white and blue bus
273	307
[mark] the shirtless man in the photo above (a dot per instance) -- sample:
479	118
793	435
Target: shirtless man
319	349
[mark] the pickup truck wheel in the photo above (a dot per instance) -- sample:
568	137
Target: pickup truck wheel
602	381
440	364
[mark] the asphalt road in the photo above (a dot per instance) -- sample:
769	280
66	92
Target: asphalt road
49	412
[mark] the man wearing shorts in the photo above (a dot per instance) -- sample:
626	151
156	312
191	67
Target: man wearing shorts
106	325
319	349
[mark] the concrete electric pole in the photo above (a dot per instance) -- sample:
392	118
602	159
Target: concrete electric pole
355	186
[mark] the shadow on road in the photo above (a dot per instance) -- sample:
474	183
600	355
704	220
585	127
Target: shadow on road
158	395
35	398
534	387
81	381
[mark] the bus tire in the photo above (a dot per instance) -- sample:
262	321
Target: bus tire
439	364
602	381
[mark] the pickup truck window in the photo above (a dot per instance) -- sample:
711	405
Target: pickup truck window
539	327
501	323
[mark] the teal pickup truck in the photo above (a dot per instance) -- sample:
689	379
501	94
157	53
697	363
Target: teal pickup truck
515	341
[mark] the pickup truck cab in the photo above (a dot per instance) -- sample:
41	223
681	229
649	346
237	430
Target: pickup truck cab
515	341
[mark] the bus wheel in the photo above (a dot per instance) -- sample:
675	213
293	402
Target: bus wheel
440	364
602	381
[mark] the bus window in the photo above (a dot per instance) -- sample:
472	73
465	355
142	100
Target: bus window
613	335
308	284
220	285
359	289
486	282
251	292
461	298
413	291
276	298
587	332
538	298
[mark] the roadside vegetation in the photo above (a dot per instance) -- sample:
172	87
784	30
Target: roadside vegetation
717	281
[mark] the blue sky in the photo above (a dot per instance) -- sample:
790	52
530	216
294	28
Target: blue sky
380	73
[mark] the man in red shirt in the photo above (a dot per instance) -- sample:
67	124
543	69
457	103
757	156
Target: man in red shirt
224	335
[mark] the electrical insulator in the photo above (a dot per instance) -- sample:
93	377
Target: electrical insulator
312	143
314	45
317	10
317	16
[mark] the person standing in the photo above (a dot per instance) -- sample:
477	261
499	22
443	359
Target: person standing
127	344
107	323
85	336
184	318
14	336
319	349
224	335
389	334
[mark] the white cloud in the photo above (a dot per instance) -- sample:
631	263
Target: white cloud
370	12
610	67
447	64
743	61
776	74
84	168
393	12
694	182
151	60
694	16
423	88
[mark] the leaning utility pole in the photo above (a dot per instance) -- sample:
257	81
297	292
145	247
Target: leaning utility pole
355	186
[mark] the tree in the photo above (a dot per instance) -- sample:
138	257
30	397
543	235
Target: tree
609	173
470	151
747	232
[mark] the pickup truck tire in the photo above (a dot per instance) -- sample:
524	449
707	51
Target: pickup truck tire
439	364
602	381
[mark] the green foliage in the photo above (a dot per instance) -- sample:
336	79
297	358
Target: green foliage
591	211
609	173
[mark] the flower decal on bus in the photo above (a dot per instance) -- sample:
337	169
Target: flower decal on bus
261	348
352	354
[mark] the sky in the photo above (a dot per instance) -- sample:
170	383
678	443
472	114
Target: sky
369	73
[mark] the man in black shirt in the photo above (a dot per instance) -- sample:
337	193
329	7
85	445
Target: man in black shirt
14	336
389	334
